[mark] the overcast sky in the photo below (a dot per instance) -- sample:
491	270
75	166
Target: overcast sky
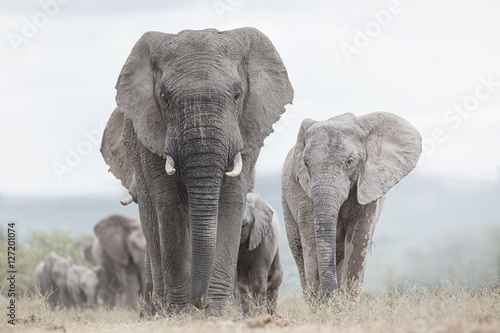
435	64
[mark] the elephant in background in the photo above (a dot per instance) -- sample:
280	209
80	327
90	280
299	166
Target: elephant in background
120	251
333	185
82	283
259	269
50	279
193	112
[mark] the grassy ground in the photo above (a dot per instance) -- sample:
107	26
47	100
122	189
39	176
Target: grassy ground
416	309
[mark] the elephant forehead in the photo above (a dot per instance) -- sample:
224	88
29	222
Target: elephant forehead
336	130
214	45
198	53
344	138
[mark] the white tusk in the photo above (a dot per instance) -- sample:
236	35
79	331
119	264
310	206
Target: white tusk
169	166
127	200
237	166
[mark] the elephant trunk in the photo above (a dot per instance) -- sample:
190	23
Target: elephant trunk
327	200
203	168
91	296
204	152
64	298
203	197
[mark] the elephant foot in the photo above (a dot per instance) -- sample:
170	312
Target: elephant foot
314	298
223	308
173	310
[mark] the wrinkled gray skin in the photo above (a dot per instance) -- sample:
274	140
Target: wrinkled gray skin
50	278
120	250
333	182
259	269
82	283
197	99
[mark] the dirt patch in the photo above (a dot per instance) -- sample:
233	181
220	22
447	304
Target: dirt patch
54	327
31	319
270	322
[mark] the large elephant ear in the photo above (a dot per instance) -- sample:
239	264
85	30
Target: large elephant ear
269	88
393	147
135	92
112	232
301	170
263	215
113	151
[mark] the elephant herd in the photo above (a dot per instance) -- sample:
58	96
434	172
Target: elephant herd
118	256
193	110
117	277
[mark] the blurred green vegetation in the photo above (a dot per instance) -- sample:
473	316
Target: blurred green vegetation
31	251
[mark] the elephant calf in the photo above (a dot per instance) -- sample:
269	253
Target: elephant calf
82	283
51	278
334	180
259	269
120	251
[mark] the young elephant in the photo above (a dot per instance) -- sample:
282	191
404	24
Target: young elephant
120	250
82	283
259	270
333	182
51	277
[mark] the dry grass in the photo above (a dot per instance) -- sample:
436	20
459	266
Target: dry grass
415	309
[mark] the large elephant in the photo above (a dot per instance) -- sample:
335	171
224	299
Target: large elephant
333	182
120	249
50	278
196	108
82	283
259	269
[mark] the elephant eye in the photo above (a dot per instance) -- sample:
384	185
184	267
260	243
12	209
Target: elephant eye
236	97
165	99
350	162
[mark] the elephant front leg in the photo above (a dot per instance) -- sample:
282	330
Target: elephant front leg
309	249
253	290
133	287
258	286
231	205
359	235
154	283
148	286
245	299
175	251
273	284
293	236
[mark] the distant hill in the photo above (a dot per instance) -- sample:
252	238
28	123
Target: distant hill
429	228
